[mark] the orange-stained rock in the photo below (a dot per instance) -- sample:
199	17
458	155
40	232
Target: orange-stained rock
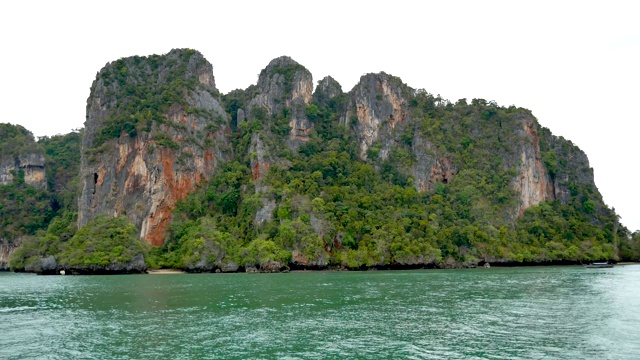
532	183
142	177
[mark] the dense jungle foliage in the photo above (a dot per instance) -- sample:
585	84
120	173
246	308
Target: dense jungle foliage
103	241
25	209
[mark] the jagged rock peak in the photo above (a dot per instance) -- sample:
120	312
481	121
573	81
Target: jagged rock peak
188	62
196	65
377	101
284	83
327	88
285	79
280	62
382	77
281	75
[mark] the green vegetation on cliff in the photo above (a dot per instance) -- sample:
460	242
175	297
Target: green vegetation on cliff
62	157
333	208
24	208
45	243
630	247
104	241
144	89
15	140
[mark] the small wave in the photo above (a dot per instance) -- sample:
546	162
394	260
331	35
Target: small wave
17	309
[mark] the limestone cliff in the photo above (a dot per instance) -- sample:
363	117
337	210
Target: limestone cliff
379	114
154	130
282	94
20	154
380	111
327	89
385	124
261	160
377	104
284	84
25	200
383	176
532	182
568	168
31	165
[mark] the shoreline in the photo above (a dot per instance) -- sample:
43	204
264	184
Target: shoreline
300	269
383	268
166	272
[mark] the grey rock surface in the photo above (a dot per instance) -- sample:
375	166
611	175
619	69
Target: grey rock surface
46	265
32	164
327	89
285	83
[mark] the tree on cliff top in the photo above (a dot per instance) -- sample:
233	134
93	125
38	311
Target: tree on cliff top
15	140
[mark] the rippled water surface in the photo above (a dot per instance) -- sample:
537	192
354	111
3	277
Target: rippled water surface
499	313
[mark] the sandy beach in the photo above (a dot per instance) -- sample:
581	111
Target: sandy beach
165	272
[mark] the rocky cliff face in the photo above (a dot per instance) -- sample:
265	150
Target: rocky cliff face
261	160
143	176
575	172
429	168
284	90
378	112
377	104
532	182
285	84
141	169
380	115
20	154
385	176
327	89
31	164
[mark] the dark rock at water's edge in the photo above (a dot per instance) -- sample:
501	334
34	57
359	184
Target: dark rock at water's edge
276	267
49	266
532	263
44	266
268	267
231	267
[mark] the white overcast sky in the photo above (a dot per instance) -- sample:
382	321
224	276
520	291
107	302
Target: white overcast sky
575	64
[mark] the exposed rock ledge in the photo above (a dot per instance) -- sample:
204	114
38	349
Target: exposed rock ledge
49	266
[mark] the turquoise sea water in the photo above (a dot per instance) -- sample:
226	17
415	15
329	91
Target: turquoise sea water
499	313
